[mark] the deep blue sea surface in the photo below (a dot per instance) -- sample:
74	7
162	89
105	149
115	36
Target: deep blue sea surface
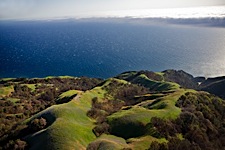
105	48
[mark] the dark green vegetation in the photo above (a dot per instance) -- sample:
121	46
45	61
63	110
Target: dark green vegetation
134	110
21	99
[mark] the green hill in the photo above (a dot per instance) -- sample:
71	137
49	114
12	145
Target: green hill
134	110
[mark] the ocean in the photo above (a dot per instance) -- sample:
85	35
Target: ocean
104	48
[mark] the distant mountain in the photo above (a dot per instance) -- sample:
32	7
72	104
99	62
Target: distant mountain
208	21
134	110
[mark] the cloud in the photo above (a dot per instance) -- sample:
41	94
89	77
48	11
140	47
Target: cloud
37	9
194	12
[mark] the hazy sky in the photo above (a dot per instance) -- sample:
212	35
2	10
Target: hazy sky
19	9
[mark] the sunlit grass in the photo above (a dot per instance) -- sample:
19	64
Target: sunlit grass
155	85
69	93
63	77
31	86
6	79
143	142
144	115
71	128
110	142
6	91
138	115
14	100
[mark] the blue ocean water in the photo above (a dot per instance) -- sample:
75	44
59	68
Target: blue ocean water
105	48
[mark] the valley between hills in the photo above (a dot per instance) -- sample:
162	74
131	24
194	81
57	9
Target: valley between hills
134	110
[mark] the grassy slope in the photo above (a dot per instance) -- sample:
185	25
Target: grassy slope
71	128
50	77
31	86
155	85
143	142
138	114
68	95
152	84
110	142
6	91
143	115
14	100
6	79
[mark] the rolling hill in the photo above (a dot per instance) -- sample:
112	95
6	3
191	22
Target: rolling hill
133	110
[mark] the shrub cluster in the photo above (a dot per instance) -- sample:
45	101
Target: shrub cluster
100	110
123	95
201	124
25	102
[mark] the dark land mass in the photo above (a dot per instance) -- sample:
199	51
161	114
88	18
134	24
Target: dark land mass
134	110
212	22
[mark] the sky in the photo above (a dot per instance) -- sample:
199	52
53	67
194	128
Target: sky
37	9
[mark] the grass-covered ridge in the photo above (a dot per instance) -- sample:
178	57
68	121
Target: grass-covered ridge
23	100
71	128
155	85
31	86
134	110
110	142
67	96
153	81
133	122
